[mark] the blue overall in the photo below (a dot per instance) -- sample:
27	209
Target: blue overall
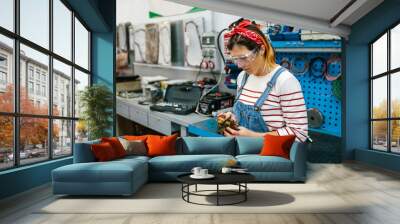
249	116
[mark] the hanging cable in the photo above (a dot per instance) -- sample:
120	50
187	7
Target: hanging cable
219	46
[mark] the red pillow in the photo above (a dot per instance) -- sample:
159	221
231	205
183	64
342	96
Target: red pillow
135	137
161	145
116	145
277	145
103	152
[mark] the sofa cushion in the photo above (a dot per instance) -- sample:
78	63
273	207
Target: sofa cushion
134	147
161	145
275	145
185	163
111	171
128	159
83	152
116	145
103	152
249	145
206	145
257	163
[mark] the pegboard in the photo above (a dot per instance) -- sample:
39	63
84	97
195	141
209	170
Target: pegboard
318	92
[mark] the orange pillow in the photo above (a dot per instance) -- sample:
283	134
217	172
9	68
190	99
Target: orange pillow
116	145
161	145
135	137
277	145
103	152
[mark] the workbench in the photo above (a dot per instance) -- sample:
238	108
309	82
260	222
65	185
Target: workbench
162	122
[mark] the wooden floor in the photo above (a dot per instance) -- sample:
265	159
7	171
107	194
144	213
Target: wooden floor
377	188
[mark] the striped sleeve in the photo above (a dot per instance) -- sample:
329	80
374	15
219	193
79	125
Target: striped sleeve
293	109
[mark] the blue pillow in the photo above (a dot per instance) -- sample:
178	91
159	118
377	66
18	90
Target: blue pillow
207	145
249	145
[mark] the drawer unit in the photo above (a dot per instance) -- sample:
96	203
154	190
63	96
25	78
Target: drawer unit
122	109
160	124
138	116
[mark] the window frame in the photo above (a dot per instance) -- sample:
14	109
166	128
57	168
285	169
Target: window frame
388	74
16	114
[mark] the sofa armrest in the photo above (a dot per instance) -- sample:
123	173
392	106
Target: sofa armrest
83	152
298	155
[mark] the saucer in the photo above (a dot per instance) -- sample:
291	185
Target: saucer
208	176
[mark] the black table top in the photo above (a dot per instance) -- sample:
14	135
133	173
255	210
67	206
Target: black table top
220	178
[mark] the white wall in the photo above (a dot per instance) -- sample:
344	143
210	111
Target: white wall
137	12
134	11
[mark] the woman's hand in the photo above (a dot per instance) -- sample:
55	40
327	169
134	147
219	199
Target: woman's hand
242	131
227	115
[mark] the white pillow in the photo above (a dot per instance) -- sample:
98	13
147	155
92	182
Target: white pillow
134	147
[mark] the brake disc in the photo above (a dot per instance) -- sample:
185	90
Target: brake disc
315	118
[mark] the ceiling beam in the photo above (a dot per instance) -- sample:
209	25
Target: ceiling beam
346	12
269	15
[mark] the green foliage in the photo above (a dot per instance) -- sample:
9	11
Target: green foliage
97	103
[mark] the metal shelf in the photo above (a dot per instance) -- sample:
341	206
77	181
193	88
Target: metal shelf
171	67
308	46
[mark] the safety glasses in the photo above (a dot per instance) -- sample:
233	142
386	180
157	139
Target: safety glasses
243	59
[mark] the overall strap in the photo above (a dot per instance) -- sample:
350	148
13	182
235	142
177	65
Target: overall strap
244	80
267	90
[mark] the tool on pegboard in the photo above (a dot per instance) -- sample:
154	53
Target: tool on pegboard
337	88
334	68
285	62
315	118
299	65
318	67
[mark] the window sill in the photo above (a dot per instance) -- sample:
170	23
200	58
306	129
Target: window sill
26	167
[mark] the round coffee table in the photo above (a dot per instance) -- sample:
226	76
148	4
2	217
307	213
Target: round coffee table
238	179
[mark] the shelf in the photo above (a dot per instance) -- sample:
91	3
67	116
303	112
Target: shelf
170	71
308	46
171	67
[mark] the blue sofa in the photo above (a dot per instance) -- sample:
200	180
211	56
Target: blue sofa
125	176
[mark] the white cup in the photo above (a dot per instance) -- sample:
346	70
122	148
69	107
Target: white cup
203	172
226	170
196	171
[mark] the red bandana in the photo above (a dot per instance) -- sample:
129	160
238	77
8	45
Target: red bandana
241	30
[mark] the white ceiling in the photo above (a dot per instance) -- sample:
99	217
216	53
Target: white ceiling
317	15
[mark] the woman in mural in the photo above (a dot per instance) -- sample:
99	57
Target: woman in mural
269	98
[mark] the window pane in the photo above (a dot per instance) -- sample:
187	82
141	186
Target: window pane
36	100
379	135
81	45
81	131
395	132
81	81
6	74
395	47
62	29
379	98
35	21
7	14
395	95
62	89
379	56
6	142
33	139
62	138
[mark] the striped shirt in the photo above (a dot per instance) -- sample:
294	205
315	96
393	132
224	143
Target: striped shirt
284	110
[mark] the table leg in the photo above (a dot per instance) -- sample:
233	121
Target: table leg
245	193
196	187
188	189
217	194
